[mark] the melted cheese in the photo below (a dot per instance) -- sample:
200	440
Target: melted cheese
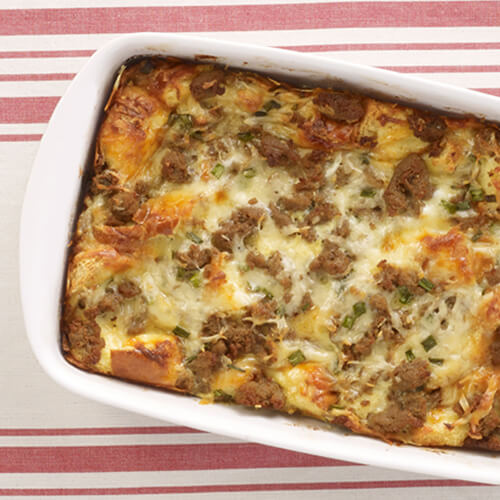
228	172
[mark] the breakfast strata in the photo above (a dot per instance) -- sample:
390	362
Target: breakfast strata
300	249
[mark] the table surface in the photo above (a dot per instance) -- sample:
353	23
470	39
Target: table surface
54	443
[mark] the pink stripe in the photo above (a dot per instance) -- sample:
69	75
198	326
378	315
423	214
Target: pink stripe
52	459
443	69
20	137
225	488
495	92
27	77
247	17
99	431
44	53
27	109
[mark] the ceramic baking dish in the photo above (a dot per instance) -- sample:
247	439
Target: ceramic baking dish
47	220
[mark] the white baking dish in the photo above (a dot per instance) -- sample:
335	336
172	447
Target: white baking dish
49	210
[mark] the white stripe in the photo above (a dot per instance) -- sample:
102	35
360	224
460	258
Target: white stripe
370	57
60	4
116	440
56	88
51	88
203	477
22	128
274	37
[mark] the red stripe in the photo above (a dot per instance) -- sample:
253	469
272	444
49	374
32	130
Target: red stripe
20	137
226	488
27	109
30	77
152	458
247	17
45	53
495	92
99	431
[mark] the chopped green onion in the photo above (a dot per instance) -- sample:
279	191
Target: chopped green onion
359	308
237	368
426	284
218	170
181	273
245	136
191	358
462	205
476	236
195	279
249	173
194	238
348	322
196	134
409	355
429	343
365	158
185	121
272	104
490	198
405	296
260	289
180	332
244	268
336	407
296	357
260	113
368	192
220	395
281	311
436	361
451	207
476	194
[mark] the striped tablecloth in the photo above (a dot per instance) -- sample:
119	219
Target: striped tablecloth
53	443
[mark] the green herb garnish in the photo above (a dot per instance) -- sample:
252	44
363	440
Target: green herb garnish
245	136
476	194
218	170
220	395
181	332
249	173
476	236
429	343
194	238
368	192
426	284
462	205
195	279
405	296
409	355
436	361
359	308
272	104
185	121
296	357
348	321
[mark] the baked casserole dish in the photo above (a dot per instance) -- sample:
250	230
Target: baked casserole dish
306	250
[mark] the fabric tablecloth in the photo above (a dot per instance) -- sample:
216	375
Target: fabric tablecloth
54	443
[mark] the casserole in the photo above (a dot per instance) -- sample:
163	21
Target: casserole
41	268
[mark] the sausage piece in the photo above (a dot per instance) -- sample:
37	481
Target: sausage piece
340	106
409	185
208	84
